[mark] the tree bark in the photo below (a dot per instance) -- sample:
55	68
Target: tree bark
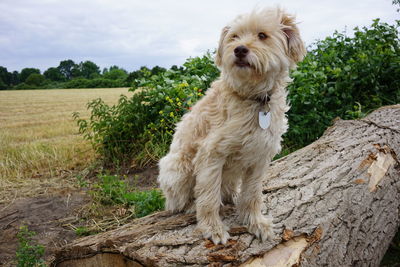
338	200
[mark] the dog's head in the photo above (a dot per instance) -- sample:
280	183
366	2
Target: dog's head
262	42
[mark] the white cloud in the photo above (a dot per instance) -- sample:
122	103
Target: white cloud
131	33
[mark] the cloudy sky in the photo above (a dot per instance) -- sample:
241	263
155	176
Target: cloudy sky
133	33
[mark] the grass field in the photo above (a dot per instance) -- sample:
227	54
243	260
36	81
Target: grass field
39	139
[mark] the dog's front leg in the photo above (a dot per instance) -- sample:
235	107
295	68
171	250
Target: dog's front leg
208	199
249	205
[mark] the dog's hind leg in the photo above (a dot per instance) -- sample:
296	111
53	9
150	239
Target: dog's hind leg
176	182
231	178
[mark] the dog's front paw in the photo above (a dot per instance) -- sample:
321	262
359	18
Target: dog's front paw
217	233
263	228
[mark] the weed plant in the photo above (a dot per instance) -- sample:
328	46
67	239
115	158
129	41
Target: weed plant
112	190
29	252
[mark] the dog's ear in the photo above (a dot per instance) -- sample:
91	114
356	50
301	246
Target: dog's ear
296	50
218	56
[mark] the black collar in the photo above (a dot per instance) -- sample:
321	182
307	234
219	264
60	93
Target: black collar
263	100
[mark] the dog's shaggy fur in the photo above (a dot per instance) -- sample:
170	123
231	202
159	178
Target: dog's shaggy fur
219	153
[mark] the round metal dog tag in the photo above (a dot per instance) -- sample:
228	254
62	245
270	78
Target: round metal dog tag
264	119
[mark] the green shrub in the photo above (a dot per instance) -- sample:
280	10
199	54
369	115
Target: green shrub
141	126
113	190
94	83
3	86
115	73
29	253
35	79
23	86
106	83
343	77
53	85
77	83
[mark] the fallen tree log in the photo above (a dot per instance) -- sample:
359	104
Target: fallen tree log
338	199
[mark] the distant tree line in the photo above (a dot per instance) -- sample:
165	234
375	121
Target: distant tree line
69	74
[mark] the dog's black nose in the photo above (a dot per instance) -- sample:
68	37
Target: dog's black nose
241	51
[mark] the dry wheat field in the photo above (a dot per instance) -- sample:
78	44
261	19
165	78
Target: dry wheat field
39	140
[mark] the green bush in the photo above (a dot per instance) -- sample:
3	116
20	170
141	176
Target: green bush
53	85
113	190
141	126
94	83
115	73
77	83
3	86
35	79
23	86
345	77
341	76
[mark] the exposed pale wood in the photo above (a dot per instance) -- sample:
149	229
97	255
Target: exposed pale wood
338	199
285	254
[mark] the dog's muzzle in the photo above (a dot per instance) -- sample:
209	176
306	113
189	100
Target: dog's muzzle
241	53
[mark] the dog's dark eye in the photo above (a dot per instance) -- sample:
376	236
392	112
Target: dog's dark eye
262	36
235	36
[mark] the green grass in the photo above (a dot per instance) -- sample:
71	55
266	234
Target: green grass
83	231
112	190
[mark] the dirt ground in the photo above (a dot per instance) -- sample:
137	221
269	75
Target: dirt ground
45	215
51	216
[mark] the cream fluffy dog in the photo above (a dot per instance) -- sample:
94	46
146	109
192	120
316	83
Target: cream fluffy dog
220	152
